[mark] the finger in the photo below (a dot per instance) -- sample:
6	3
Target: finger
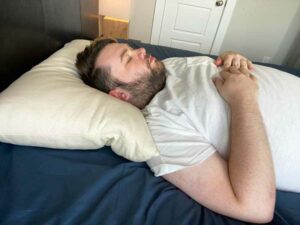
236	62
250	65
234	70
225	74
218	61
245	71
228	61
218	83
244	64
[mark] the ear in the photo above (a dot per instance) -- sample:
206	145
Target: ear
120	94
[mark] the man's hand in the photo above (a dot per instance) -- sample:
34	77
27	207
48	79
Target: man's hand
233	59
237	85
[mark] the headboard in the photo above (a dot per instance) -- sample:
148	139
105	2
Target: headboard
31	30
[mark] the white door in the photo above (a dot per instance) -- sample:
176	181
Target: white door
187	24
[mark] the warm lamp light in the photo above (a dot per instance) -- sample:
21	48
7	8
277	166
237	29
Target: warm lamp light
115	8
115	15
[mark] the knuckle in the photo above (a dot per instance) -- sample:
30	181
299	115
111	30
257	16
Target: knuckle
236	56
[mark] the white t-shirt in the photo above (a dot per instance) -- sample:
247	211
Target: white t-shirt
189	120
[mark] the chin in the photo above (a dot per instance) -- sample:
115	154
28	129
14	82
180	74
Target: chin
158	65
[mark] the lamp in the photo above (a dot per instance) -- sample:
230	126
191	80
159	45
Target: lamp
115	15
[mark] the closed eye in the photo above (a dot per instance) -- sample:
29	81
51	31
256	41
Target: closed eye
129	58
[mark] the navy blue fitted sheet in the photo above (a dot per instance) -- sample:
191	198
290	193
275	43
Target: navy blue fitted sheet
46	186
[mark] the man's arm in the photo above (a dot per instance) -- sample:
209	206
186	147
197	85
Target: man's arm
243	187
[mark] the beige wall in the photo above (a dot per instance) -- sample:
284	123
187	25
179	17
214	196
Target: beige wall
142	13
258	28
261	28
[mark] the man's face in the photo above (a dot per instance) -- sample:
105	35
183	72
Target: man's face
128	65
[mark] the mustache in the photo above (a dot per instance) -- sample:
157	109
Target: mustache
147	57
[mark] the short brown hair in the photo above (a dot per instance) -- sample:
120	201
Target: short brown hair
142	90
99	77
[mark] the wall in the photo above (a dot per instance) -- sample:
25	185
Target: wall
293	59
142	13
258	28
263	28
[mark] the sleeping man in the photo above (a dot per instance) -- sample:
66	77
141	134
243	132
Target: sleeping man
224	133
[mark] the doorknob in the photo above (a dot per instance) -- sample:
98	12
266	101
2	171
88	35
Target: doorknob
219	3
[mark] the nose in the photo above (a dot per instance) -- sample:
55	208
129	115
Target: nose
141	53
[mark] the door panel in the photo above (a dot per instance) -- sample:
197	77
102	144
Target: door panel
190	24
187	15
191	46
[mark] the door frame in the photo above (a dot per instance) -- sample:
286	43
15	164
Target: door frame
221	30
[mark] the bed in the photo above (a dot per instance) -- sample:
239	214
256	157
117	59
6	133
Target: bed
40	185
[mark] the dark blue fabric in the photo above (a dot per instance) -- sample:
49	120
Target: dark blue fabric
46	186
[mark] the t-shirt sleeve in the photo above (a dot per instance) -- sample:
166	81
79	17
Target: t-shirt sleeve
179	142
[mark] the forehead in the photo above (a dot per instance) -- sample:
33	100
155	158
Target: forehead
110	54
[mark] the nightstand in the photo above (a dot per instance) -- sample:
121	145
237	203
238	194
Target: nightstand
113	27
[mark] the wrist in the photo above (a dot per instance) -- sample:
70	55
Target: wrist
244	103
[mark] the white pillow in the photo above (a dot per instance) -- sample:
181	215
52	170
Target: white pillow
50	106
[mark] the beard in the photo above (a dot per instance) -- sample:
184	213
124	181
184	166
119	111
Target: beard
145	88
157	77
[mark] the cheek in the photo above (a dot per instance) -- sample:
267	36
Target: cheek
139	69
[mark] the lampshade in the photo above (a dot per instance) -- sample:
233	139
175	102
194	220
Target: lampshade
115	8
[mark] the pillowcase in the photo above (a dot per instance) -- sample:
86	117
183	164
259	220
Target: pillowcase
50	106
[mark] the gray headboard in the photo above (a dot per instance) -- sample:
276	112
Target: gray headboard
31	30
